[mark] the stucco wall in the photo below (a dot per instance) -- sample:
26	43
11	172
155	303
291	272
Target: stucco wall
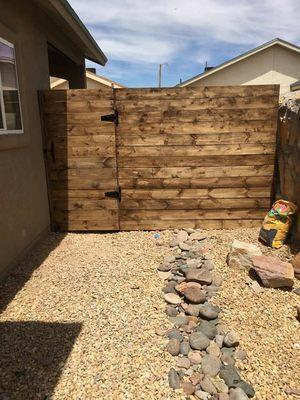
24	214
275	65
90	84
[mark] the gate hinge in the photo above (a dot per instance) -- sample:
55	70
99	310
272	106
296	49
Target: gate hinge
111	117
116	194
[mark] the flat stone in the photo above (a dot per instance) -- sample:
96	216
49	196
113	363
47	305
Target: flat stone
180	237
178	321
170	287
199	275
200	394
223	396
208	328
213	349
194	263
173	347
164	275
181	287
183	362
184	246
188	388
230	375
174	380
247	388
220	386
175	334
172	298
169	259
208	386
195	295
195	357
240	254
164	267
296	265
171	311
237	394
193	309
273	272
197	236
219	340
209	311
196	378
185	348
208	264
231	339
210	365
199	341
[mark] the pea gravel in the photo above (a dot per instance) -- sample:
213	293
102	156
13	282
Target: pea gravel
104	294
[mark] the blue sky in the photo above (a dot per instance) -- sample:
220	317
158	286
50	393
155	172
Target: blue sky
137	35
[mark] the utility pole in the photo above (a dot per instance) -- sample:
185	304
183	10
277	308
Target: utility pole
160	73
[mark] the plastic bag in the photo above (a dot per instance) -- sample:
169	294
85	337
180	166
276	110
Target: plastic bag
277	223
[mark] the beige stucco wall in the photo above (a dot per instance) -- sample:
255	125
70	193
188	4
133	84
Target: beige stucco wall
24	214
90	84
275	65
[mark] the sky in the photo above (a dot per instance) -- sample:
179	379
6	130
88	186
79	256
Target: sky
138	35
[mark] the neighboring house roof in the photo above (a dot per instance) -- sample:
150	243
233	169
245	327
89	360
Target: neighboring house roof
54	82
295	86
241	57
70	23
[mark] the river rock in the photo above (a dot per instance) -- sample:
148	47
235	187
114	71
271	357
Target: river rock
172	298
179	320
184	246
273	272
199	341
173	347
195	357
209	311
209	265
210	365
171	311
230	375
208	386
227	355
213	349
193	309
197	236
180	237
199	275
183	362
164	275
208	328
188	388
174	380
231	339
201	395
237	394
185	348
247	388
296	265
175	334
195	295
240	254
164	267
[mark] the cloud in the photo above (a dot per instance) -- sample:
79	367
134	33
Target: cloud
181	32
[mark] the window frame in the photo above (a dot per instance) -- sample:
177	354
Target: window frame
4	130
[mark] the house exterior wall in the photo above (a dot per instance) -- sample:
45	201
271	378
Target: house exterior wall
24	212
275	65
90	84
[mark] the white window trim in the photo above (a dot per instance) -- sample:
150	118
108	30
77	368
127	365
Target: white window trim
4	130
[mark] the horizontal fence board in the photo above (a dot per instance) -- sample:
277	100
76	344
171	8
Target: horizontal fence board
87	225
100	173
189	183
127	215
83	162
199	127
72	95
196	204
84	140
195	161
197	150
220	193
67	132
198	92
66	194
195	140
70	204
84	183
197	172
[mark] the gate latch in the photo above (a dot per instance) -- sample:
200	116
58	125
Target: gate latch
111	117
116	194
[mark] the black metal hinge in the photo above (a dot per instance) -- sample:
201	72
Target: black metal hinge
116	194
111	117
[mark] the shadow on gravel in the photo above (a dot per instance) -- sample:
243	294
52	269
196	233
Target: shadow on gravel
32	356
18	277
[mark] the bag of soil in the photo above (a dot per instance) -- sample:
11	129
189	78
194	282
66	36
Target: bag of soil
277	223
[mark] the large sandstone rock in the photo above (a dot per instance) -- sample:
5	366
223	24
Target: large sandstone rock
273	272
240	254
296	265
199	275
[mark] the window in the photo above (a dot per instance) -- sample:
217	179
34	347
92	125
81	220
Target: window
10	113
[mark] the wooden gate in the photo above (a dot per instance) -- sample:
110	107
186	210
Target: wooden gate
186	157
81	159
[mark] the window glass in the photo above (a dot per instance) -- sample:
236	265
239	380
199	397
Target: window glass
10	111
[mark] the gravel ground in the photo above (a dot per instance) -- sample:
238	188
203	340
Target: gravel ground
85	323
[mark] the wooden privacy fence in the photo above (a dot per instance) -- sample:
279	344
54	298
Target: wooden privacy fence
160	158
